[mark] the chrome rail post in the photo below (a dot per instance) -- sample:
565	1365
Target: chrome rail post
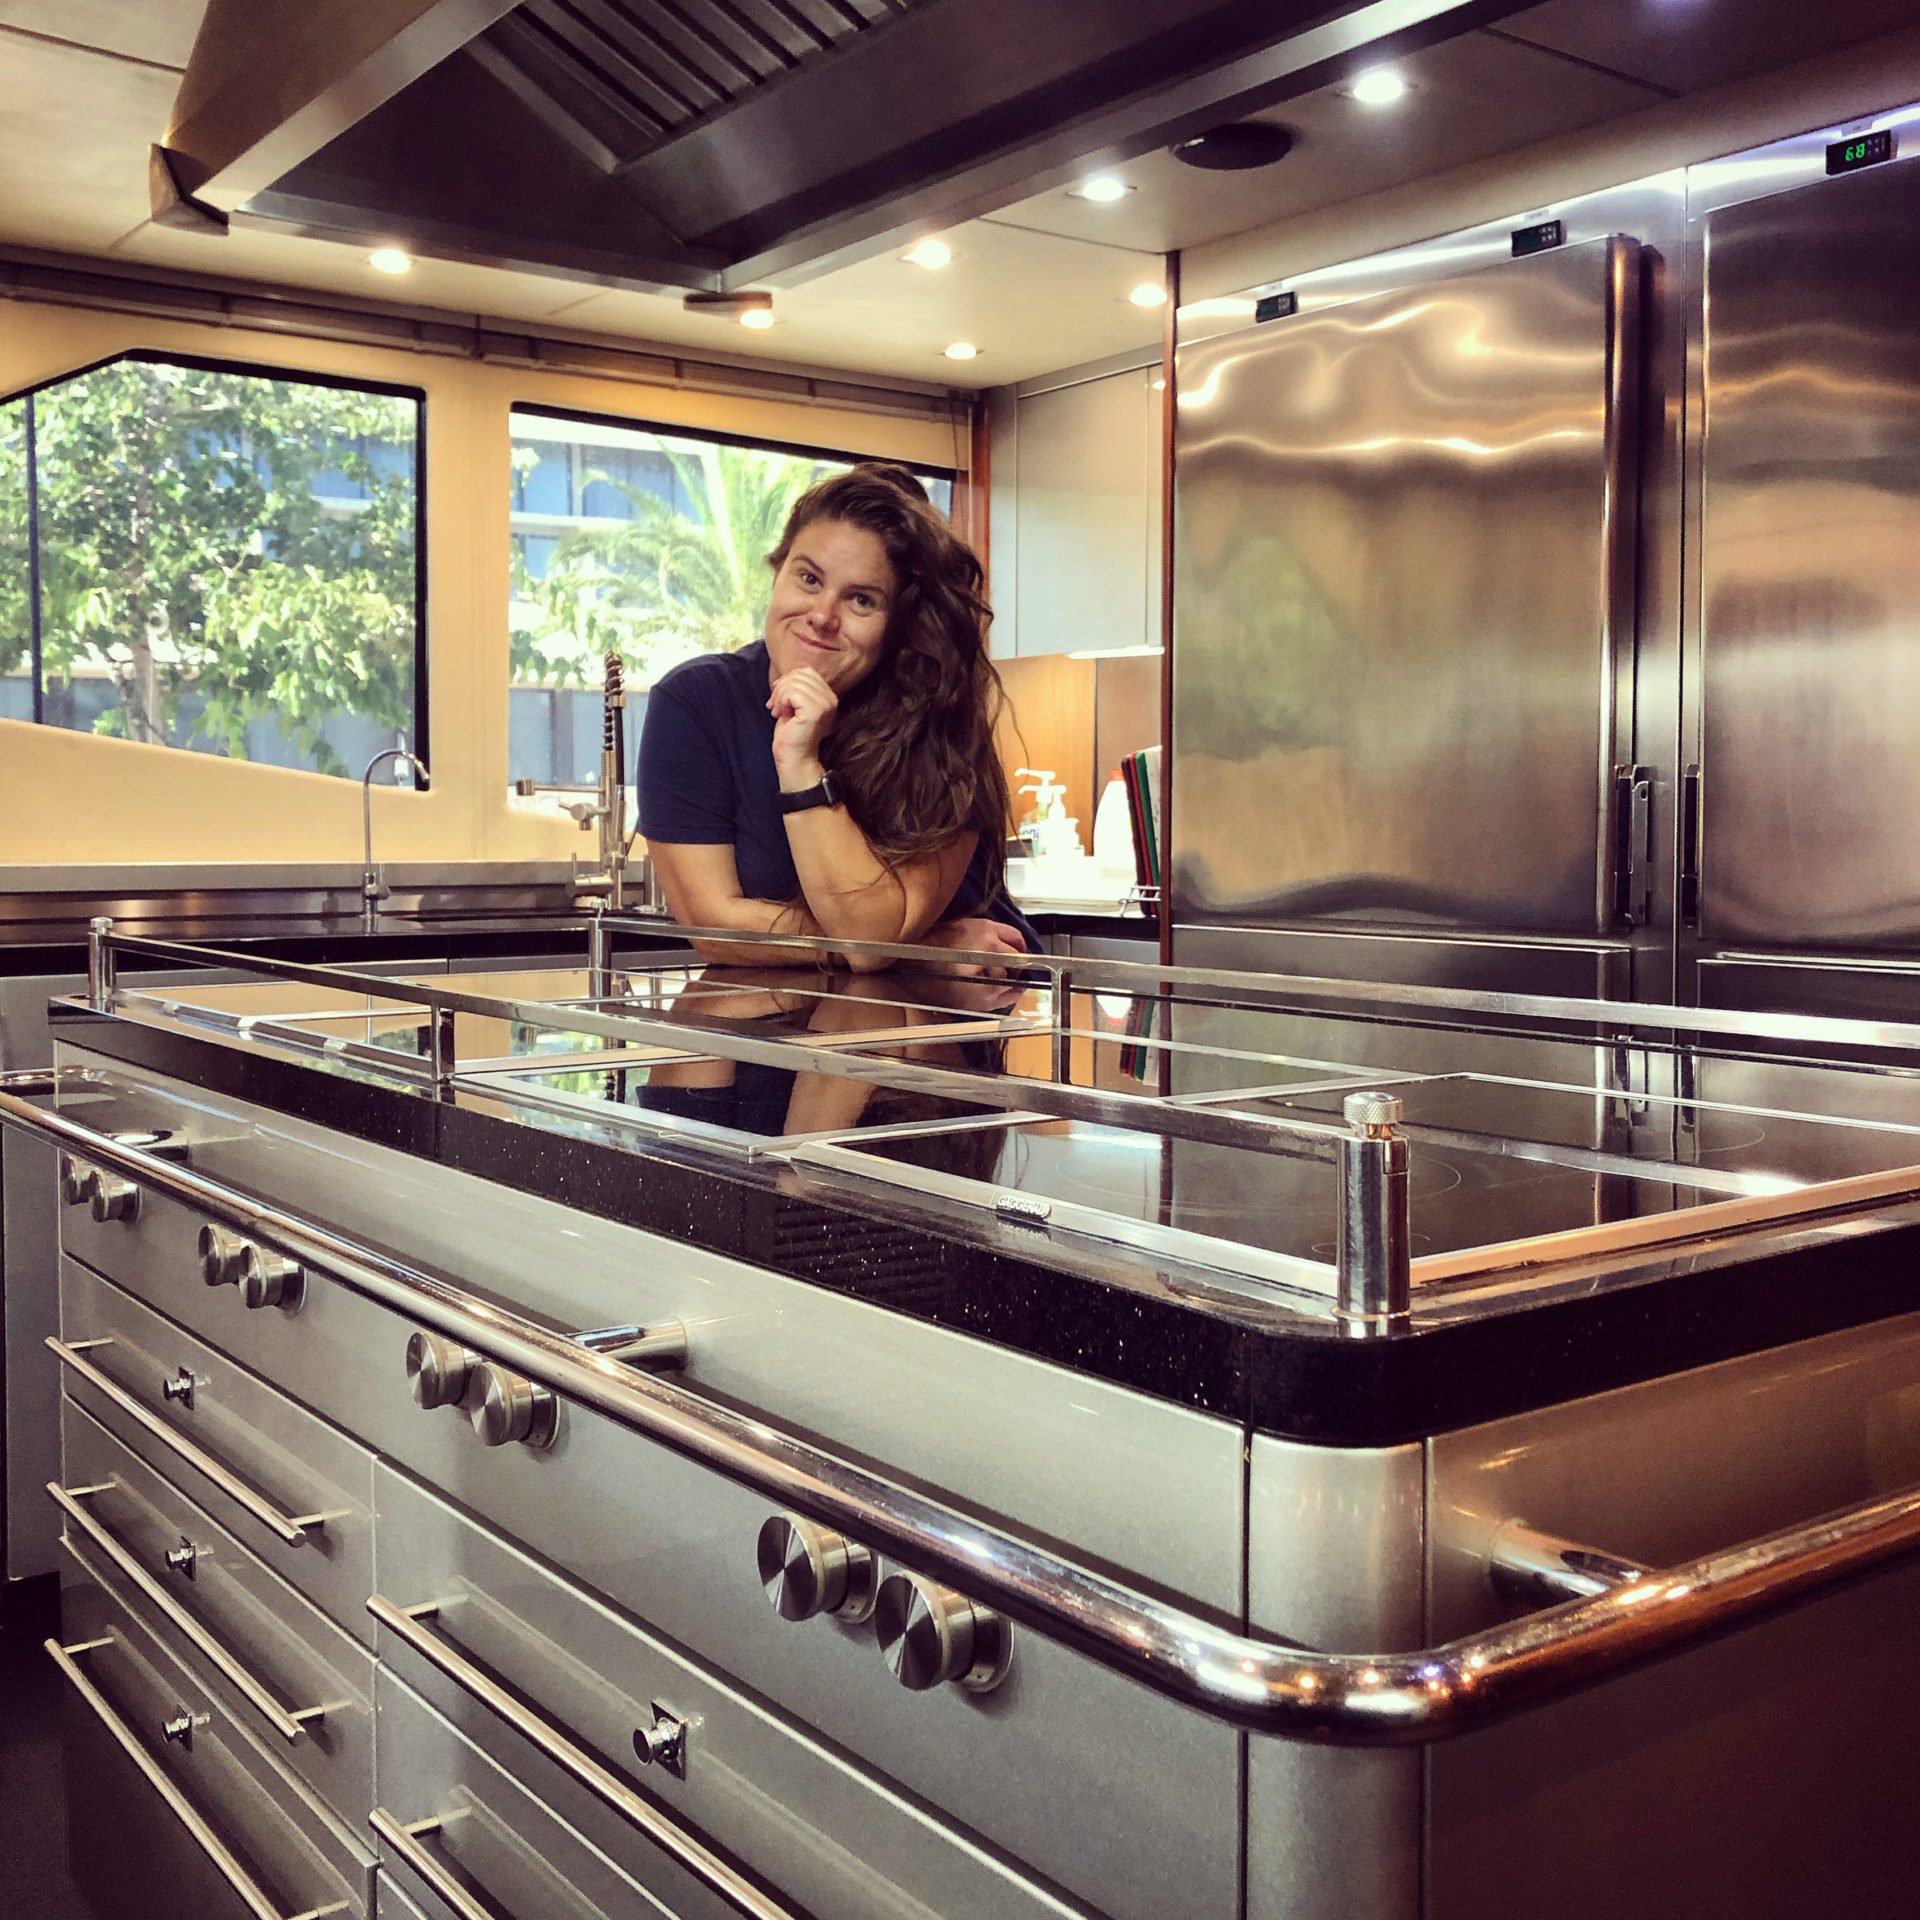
100	963
599	956
1373	1260
1536	1569
440	1050
1062	1025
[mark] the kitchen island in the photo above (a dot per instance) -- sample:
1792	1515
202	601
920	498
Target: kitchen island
631	1437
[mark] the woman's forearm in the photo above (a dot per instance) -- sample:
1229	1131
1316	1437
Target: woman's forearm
749	916
848	889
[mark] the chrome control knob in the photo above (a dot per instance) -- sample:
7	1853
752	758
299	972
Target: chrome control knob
270	1279
929	1634
808	1570
76	1181
112	1199
512	1408
438	1371
664	1743
222	1256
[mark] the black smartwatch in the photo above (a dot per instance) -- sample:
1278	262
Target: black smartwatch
820	794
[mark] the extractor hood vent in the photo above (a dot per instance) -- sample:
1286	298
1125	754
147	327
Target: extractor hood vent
714	144
618	77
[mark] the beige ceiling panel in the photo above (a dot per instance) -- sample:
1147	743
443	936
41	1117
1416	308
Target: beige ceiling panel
1705	42
289	261
74	132
1030	304
1470	98
160	30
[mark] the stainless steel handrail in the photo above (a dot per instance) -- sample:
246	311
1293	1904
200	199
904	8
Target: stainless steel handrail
224	1860
291	1529
1275	1133
734	1888
289	1723
1388	1699
1150	976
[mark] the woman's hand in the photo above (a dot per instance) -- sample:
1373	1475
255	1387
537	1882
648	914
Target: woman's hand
803	707
973	934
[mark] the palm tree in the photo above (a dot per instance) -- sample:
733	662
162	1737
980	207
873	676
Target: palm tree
673	580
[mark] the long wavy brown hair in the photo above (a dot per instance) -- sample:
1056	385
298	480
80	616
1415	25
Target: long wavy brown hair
913	743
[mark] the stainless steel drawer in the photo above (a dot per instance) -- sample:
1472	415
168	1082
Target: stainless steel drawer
293	1491
392	1904
802	1821
301	1859
452	1819
1133	1482
674	1545
292	1678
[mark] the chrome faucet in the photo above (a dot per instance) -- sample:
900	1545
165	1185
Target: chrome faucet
373	881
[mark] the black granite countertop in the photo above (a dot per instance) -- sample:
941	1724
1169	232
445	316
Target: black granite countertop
1276	1365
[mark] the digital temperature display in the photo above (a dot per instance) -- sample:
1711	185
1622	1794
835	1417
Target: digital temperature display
1863	150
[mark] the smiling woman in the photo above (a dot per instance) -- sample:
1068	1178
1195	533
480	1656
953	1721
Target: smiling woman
839	775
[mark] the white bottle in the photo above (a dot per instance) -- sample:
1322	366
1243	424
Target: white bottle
1113	831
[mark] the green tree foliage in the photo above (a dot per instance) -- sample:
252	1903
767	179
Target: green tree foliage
667	583
16	614
188	544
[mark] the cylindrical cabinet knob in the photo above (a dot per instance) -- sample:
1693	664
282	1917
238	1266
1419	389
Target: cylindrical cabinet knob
510	1407
929	1634
112	1199
76	1181
183	1559
808	1570
270	1279
222	1255
438	1370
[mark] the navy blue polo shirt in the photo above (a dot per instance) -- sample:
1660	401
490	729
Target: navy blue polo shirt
707	778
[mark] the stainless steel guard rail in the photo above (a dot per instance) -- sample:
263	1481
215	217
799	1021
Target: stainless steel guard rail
1267	1687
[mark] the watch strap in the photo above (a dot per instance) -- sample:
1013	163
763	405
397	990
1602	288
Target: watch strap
821	794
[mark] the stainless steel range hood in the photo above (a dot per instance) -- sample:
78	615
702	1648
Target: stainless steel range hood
705	144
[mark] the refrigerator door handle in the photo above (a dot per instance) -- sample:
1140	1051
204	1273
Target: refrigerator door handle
1633	848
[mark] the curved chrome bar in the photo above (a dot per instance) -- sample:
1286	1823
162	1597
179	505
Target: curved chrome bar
1389	1699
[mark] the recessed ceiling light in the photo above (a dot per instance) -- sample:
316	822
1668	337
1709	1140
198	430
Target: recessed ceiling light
1102	188
1149	293
1378	87
390	260
962	350
758	318
928	253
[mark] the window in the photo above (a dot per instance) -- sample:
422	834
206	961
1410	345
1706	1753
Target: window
200	556
653	544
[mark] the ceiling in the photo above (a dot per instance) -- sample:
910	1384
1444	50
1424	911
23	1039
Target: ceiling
1038	282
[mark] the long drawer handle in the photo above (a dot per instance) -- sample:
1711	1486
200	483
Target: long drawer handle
403	1838
289	1724
409	1623
292	1530
224	1860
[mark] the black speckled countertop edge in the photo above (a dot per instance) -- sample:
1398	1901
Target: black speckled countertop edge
1290	1375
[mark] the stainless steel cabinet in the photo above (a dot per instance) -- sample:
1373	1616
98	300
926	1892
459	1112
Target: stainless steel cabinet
1076	513
1404	605
1810	568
